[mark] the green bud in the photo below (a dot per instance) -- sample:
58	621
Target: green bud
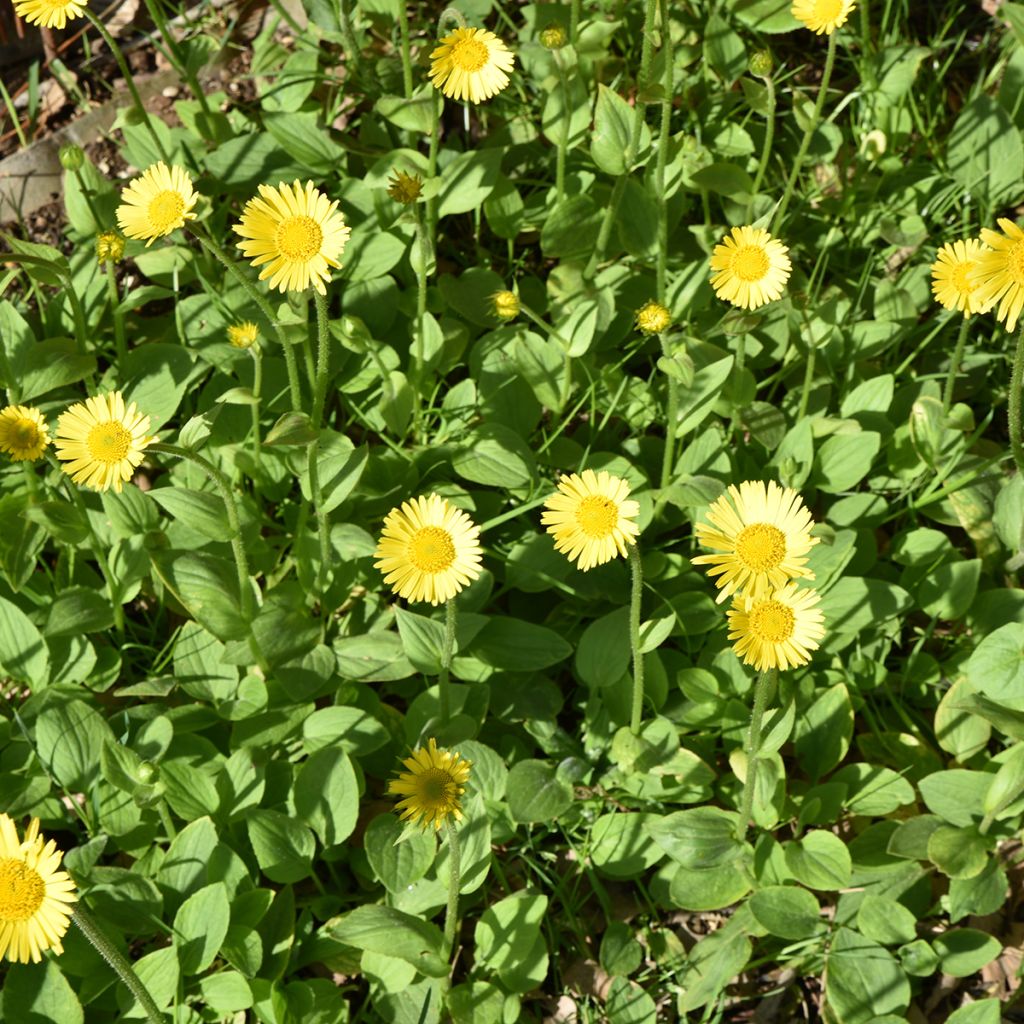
134	116
761	64
357	336
553	37
71	157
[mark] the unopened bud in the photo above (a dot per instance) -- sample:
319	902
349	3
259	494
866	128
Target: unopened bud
761	64
653	318
553	37
356	335
505	305
244	334
71	157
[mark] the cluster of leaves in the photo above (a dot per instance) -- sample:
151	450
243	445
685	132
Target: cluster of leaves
229	824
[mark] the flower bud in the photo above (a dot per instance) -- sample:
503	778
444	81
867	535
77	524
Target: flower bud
553	37
357	336
71	157
405	188
505	305
244	334
653	318
761	64
109	246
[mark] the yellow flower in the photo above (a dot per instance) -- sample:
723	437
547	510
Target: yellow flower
761	535
49	13
244	334
109	246
404	188
590	518
34	894
428	550
822	16
297	231
156	203
102	441
470	64
953	283
505	305
999	274
778	631
751	268
23	433
653	318
432	786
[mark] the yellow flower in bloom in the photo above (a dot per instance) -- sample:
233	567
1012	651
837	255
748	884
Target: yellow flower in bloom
49	13
156	203
404	188
23	433
750	267
432	786
102	441
34	894
109	246
505	305
428	550
953	283
761	535
297	232
653	318
244	334
470	64
822	16
999	274
777	631
590	518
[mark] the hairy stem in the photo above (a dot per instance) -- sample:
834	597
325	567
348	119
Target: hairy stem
954	367
1016	384
443	690
636	574
452	910
762	691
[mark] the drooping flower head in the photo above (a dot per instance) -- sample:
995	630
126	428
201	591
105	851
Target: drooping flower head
653	318
822	16
505	305
24	434
428	550
297	232
243	334
999	274
158	201
109	247
49	13
778	630
432	786
591	518
34	894
470	64
749	267
953	282
760	534
102	441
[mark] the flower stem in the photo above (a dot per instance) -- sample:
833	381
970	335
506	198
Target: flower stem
664	137
769	136
563	134
668	455
323	362
805	389
257	389
805	142
91	930
115	312
424	241
348	36
954	366
1016	384
443	693
451	911
635	596
574	20
763	689
403	31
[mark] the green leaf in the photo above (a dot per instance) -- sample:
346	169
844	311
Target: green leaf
824	731
52	364
713	366
957	730
199	510
69	738
183	870
327	795
620	845
200	927
156	376
958	852
609	140
947	592
301	136
207	586
226	992
628	1003
844	460
984	1011
996	668
505	932
520	646
293	428
398	864
39	993
701	837
726	179
79	610
284	847
351	729
243	163
394	933
339	467
854	603
422	640
787	911
724	50
703	889
983	149
536	792
23	652
711	965
884	920
495	456
873	789
962	951
468	180
61	521
570	231
603	654
372	657
863	980
956	795
983	894
1008	783
16	342
820	860
415	114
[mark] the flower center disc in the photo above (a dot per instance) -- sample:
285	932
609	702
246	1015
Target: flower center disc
750	263
828	10
434	786
108	442
1015	262
761	547
597	515
25	434
299	238
772	621
469	54
165	210
21	890
961	278
431	549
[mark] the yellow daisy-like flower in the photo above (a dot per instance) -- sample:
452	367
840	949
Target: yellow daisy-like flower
591	518
428	550
24	434
297	232
750	267
778	631
953	283
34	894
761	535
156	203
49	13
432	786
999	274
244	334
470	64
102	441
822	16
653	318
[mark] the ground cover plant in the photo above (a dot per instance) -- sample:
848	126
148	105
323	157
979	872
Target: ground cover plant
517	514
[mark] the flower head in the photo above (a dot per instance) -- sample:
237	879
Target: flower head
102	440
404	188
428	550
297	232
750	267
553	37
109	246
822	16
505	305
653	318
432	786
156	203
34	894
999	272
49	13
24	434
591	518
953	283
470	64
779	630
760	534
244	334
